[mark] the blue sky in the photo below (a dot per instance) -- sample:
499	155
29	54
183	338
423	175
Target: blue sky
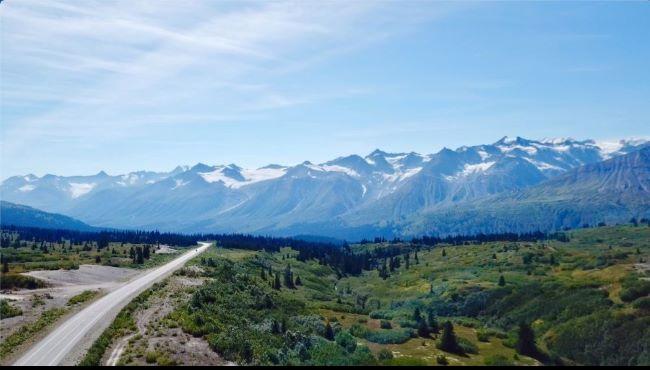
129	85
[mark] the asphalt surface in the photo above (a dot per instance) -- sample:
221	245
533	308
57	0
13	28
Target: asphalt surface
52	349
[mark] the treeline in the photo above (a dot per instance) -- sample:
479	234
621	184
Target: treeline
473	239
102	238
339	257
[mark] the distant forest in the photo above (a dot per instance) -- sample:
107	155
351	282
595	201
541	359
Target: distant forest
339	256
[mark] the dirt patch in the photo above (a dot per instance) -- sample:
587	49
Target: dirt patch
64	284
165	249
85	275
155	340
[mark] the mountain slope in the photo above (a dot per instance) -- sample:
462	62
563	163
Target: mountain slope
356	196
611	191
19	215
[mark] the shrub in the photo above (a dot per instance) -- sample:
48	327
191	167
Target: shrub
385	354
442	360
634	288
84	296
394	336
385	324
151	357
467	346
384	315
482	335
346	340
498	360
7	310
642	304
17	281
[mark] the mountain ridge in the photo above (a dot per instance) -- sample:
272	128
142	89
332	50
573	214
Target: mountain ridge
349	192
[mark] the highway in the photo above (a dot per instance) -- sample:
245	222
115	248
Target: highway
52	349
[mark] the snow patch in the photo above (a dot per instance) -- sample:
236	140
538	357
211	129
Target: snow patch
78	189
27	188
345	170
469	169
543	166
250	176
179	184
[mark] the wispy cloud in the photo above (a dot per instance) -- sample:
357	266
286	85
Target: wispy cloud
98	67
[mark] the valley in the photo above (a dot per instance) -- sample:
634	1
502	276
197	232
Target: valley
252	301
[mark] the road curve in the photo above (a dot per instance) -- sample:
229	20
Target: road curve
53	348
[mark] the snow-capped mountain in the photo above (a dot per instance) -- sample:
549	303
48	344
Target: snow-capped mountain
376	191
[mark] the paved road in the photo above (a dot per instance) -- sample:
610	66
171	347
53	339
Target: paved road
59	343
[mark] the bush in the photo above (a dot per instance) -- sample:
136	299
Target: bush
385	354
642	304
634	288
380	314
84	296
7	310
394	336
442	360
482	335
498	360
384	324
467	346
151	357
17	281
346	340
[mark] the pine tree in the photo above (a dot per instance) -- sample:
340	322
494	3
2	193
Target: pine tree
526	341
433	323
288	277
276	283
298	281
329	332
139	256
448	341
423	328
444	253
5	266
502	281
417	316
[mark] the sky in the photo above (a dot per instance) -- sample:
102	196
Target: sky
131	85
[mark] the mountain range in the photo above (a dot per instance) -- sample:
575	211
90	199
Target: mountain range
514	184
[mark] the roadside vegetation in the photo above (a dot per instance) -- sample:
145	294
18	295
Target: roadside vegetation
123	324
28	331
7	310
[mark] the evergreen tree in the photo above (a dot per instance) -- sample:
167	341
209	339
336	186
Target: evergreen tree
423	329
417	315
526	341
288	277
139	256
276	283
298	281
433	322
502	281
329	332
5	266
448	341
444	253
